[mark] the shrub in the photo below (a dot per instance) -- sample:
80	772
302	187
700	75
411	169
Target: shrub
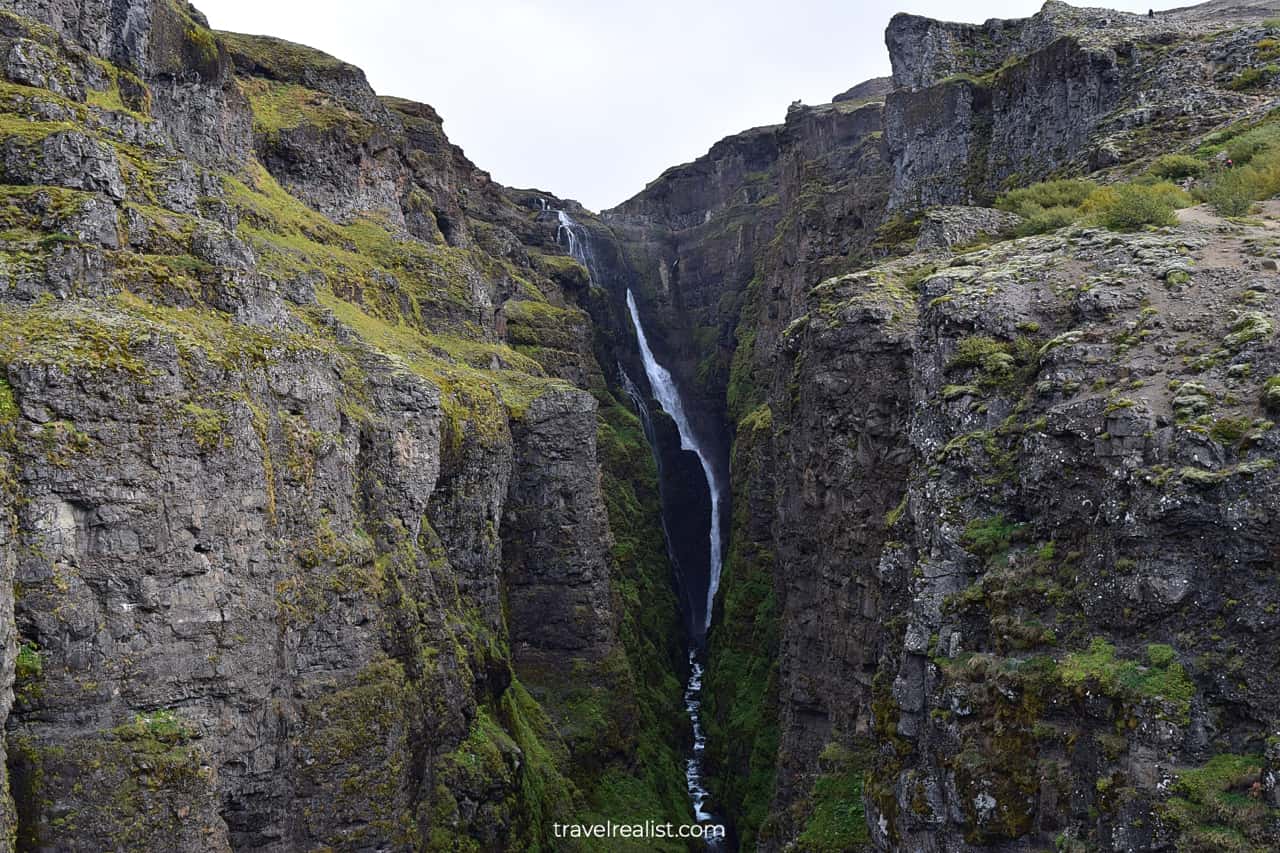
1174	167
979	351
1037	198
1128	207
1048	219
1268	49
1230	193
28	665
987	537
1245	146
1270	395
1230	430
1253	78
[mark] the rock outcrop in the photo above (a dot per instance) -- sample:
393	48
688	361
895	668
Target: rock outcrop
306	538
989	557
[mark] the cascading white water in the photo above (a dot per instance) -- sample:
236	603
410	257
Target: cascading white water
668	396
693	765
664	388
579	245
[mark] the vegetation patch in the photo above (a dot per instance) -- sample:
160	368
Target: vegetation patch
837	820
988	537
279	107
1217	807
1175	167
1161	678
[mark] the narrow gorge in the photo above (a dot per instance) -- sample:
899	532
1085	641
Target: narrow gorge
898	477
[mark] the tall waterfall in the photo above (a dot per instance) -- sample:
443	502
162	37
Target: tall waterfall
646	421
664	388
579	244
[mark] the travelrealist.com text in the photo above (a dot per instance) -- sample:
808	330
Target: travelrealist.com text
647	829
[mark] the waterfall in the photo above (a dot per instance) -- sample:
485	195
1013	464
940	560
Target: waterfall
693	764
632	391
578	242
668	396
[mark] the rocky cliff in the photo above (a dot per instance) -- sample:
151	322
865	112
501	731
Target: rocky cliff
328	520
1001	570
321	526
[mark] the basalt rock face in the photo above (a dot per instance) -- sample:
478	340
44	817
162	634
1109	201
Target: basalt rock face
1001	571
325	524
979	108
321	526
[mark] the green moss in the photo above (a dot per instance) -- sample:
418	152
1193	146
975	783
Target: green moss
760	418
837	821
476	401
893	516
113	100
280	107
547	794
994	358
1253	78
1252	326
8	405
28	131
1164	679
28	665
1269	396
530	322
1213	807
1231	430
207	425
955	392
989	537
744	391
44	333
354	750
279	59
740	687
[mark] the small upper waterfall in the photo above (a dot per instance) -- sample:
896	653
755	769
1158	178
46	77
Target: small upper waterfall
579	244
664	389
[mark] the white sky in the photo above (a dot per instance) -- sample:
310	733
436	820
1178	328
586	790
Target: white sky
592	99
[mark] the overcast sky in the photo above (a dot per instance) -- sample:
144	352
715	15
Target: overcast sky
592	99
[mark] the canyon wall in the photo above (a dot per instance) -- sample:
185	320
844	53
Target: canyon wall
321	527
982	589
326	523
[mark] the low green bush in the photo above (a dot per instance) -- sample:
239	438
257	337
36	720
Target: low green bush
1173	167
1048	219
1233	191
1230	194
1245	146
1253	78
1029	201
1128	207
